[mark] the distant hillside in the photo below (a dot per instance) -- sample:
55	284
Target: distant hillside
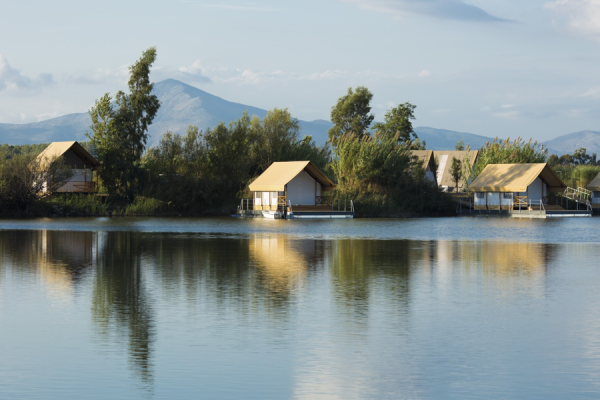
567	144
442	139
181	105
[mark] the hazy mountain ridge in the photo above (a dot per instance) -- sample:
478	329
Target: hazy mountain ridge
183	105
443	139
567	144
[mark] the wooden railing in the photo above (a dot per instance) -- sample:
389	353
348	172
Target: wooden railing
78	187
579	194
281	201
520	201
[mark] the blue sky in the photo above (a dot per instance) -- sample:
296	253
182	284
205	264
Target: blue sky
495	67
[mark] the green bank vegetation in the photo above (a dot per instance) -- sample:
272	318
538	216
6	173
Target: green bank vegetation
577	169
207	172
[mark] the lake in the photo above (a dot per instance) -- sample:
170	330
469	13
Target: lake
228	308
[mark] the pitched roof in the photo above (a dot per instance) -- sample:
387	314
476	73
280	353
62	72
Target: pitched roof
57	149
515	178
594	185
444	160
423	155
280	173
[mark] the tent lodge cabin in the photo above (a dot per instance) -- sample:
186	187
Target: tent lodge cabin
594	187
514	186
81	162
296	189
426	157
444	169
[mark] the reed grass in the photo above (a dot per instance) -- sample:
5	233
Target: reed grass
577	175
146	206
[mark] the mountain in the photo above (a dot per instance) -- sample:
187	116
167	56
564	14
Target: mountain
567	144
181	105
442	139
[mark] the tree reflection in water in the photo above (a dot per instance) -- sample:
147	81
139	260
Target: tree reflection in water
346	305
120	299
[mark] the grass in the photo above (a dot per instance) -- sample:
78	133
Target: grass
146	206
73	204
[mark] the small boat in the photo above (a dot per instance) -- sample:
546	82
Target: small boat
272	214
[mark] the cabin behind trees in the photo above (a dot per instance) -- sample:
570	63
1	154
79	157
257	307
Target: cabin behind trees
75	157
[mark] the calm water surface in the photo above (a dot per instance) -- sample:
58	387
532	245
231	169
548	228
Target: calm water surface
248	308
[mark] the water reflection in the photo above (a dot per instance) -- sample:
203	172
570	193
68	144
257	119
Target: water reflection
120	300
60	259
349	312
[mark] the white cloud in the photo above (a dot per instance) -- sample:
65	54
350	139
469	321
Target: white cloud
12	79
444	9
249	76
101	75
425	73
507	106
592	92
232	7
577	112
507	114
579	16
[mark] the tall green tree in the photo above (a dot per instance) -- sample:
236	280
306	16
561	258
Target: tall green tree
119	129
352	113
397	123
456	171
274	137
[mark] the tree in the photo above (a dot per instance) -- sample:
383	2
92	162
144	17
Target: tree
119	130
228	160
274	137
23	179
352	113
566	159
456	171
553	160
460	145
397	123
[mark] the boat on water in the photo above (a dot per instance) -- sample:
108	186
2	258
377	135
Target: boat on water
272	214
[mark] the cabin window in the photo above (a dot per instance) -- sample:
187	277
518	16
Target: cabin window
479	195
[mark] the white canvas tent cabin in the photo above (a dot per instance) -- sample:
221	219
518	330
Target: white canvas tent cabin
81	162
511	186
594	187
296	188
444	169
427	158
